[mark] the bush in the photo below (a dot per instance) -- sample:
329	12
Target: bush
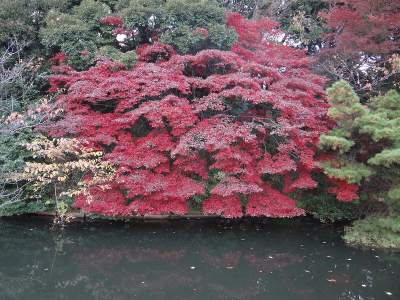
54	173
186	40
375	232
12	159
17	92
15	132
189	26
126	58
224	129
244	7
327	208
21	19
76	34
324	206
20	87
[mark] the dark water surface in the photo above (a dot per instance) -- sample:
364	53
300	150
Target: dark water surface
298	259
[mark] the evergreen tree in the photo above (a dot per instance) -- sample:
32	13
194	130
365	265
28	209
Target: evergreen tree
364	149
93	29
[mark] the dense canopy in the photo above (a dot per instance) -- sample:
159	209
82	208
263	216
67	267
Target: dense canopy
233	130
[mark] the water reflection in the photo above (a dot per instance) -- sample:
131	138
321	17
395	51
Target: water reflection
190	260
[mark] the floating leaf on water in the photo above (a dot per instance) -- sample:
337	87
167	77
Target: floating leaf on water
388	293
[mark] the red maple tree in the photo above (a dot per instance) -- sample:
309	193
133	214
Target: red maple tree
237	129
362	44
368	26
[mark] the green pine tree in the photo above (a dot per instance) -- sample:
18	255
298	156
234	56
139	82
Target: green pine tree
366	151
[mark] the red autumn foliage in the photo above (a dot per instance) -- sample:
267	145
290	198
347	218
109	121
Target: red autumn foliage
343	190
58	58
271	203
369	26
84	53
112	21
155	52
229	207
202	31
227	125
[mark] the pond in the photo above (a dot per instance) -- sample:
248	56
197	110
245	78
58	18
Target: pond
294	259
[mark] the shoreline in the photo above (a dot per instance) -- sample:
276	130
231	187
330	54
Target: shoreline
83	217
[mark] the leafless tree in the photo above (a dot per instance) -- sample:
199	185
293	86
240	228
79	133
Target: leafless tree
16	77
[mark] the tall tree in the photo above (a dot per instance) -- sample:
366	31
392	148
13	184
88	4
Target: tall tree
232	131
363	44
365	143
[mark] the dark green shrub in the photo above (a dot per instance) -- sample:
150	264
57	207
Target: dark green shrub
12	159
377	232
76	34
127	58
21	19
324	206
327	208
189	26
